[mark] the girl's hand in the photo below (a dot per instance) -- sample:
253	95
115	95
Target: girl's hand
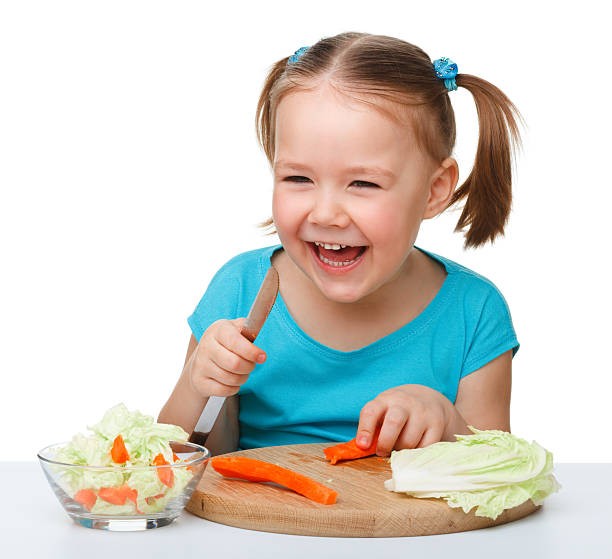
412	415
223	359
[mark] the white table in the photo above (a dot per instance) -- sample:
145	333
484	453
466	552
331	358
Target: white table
576	523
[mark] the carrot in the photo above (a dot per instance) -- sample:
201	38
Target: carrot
118	496
251	469
112	495
119	453
86	497
175	457
132	495
350	450
149	500
165	475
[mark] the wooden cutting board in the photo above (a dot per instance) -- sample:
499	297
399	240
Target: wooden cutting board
364	507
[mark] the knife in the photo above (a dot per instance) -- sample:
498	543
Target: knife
260	309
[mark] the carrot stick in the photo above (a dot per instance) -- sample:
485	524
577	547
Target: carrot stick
259	471
86	497
165	475
119	453
350	450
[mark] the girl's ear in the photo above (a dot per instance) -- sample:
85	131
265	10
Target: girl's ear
441	187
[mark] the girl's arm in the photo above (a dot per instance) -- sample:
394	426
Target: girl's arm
414	415
483	398
185	405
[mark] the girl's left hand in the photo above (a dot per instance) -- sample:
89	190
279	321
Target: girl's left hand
412	416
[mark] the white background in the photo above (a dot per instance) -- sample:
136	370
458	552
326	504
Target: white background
130	172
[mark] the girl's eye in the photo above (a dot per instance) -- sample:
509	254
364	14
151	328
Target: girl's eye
293	179
362	184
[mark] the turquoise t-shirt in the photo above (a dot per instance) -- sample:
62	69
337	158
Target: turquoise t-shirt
306	392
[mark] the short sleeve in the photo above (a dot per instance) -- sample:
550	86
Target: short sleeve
492	334
220	300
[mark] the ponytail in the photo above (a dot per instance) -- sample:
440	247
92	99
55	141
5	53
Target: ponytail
266	109
265	119
488	188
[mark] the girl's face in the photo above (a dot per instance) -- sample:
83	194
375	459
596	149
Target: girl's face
320	195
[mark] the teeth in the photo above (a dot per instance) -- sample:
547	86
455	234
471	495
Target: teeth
328	246
338	264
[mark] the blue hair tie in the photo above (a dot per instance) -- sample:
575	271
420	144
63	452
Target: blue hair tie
299	52
447	70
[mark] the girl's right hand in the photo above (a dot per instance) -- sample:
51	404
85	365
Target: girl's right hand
223	359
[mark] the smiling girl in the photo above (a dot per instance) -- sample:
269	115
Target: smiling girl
369	332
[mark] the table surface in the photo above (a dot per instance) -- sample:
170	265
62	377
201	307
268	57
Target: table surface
575	522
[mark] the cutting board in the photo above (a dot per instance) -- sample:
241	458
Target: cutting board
364	507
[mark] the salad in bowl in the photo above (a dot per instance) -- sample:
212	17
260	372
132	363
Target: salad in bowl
130	473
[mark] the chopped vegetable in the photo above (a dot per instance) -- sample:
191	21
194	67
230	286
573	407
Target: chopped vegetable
150	500
166	475
252	469
493	470
86	497
350	450
119	453
116	496
119	489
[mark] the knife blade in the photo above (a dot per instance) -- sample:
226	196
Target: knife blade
260	309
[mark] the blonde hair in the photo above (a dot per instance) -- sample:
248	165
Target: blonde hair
399	78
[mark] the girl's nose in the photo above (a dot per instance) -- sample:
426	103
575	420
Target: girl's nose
327	211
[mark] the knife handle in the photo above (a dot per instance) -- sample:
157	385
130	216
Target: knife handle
261	307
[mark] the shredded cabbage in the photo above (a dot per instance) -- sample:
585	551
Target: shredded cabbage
144	439
492	470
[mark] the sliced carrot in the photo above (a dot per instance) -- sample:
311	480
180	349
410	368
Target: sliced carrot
350	450
131	495
252	469
119	453
159	460
165	475
175	457
112	495
149	500
118	496
86	497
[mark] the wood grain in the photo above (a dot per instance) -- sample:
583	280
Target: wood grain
364	507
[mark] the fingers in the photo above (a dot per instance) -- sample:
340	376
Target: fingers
369	419
218	382
413	432
405	423
432	435
224	372
229	361
223	359
392	426
229	336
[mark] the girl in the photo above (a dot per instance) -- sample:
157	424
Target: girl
368	330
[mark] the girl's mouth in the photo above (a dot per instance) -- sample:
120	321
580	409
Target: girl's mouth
337	261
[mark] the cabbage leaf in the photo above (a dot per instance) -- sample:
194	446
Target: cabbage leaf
490	469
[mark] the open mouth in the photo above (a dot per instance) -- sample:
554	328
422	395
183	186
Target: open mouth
338	258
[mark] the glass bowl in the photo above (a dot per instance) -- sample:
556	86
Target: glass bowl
101	496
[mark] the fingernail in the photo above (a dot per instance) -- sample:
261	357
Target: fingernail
261	358
363	440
